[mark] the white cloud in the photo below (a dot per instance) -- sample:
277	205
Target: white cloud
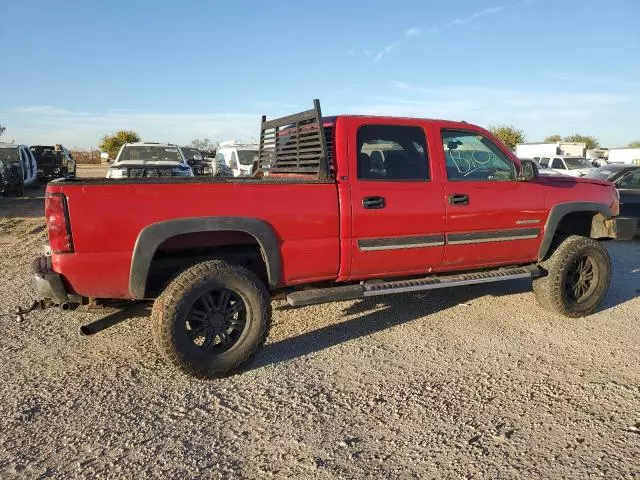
41	109
538	113
414	32
36	124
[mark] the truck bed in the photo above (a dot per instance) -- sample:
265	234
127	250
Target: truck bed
107	217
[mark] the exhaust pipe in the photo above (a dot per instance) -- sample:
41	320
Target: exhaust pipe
90	329
111	320
64	306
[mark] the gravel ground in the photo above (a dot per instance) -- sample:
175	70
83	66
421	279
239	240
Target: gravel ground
467	383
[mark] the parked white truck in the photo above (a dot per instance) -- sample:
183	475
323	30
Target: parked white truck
541	149
624	155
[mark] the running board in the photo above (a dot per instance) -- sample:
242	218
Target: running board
369	289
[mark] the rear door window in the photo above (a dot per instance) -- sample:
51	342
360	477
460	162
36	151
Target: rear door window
392	153
558	164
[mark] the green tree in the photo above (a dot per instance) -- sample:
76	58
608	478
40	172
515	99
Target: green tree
589	141
509	135
112	143
2	129
553	138
635	144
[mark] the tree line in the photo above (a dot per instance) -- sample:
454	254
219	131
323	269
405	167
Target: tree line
111	143
511	136
507	134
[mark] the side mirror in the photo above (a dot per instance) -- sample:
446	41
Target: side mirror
528	171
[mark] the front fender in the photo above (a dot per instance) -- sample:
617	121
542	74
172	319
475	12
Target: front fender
558	212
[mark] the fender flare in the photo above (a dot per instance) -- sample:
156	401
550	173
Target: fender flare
559	211
152	236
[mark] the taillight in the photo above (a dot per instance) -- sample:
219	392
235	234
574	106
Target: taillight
56	214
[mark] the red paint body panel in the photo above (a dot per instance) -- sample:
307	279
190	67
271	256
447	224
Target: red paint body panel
107	219
318	225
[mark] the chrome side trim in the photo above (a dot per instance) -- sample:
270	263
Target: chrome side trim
400	243
493	239
400	247
492	236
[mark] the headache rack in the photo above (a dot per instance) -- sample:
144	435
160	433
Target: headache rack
295	145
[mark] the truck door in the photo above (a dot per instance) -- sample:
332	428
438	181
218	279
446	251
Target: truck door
491	217
397	201
558	164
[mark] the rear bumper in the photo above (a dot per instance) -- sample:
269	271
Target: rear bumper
47	283
623	228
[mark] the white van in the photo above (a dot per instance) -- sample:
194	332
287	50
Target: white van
239	157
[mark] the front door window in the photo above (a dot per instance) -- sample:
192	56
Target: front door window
471	156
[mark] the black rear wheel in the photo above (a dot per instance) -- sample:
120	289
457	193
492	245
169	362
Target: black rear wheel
212	319
216	320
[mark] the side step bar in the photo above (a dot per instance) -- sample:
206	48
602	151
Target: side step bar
370	289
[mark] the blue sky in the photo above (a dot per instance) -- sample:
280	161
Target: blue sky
175	71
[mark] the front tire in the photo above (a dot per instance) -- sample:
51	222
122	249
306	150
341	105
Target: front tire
212	319
577	279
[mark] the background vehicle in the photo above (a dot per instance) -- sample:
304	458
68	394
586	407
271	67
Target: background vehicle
542	149
239	157
220	169
626	179
624	155
149	159
449	206
12	156
196	161
541	170
54	161
571	166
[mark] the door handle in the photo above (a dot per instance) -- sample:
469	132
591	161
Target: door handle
459	199
374	203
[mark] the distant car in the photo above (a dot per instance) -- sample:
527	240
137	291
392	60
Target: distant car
626	179
542	170
148	159
54	161
196	161
237	156
17	168
220	168
572	166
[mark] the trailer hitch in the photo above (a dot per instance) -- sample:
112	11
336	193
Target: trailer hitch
36	305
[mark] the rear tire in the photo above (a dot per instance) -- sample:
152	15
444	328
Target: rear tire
577	279
212	319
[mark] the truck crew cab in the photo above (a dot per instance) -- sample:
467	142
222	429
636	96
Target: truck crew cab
354	206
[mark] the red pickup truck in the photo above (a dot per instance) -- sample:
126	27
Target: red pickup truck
351	207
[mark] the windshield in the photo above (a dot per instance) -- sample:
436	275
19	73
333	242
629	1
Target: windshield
150	153
9	155
577	162
246	157
191	154
603	173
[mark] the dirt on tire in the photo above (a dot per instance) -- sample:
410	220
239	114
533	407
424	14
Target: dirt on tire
550	290
171	306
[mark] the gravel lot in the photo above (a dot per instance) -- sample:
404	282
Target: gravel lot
468	383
